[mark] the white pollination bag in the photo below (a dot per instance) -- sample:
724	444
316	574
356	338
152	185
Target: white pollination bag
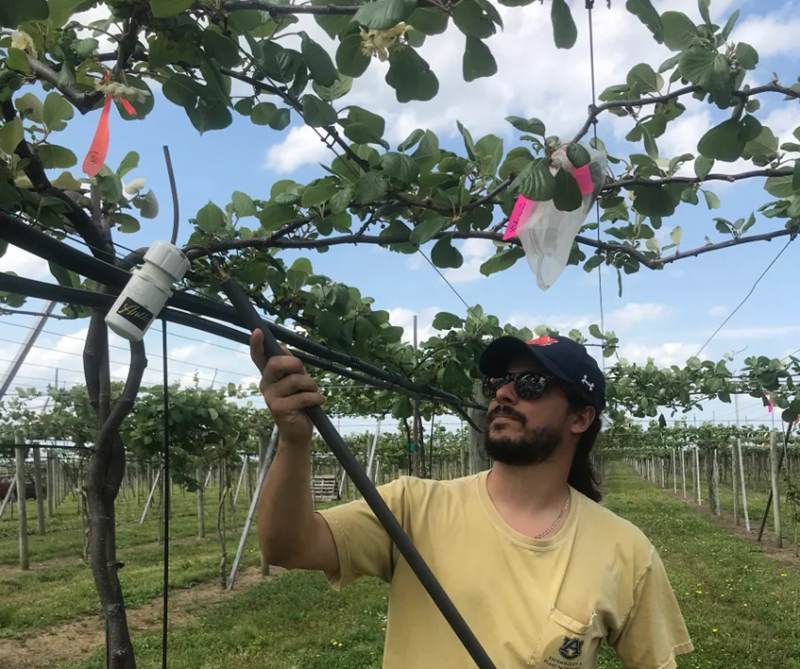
547	233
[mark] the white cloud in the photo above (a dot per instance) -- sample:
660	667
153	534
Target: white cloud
667	353
634	313
765	332
24	263
404	318
718	311
561	322
783	121
475	252
301	147
772	34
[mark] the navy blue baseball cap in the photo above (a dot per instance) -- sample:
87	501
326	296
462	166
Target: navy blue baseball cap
564	358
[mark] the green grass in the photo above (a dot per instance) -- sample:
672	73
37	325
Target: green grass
742	607
63	591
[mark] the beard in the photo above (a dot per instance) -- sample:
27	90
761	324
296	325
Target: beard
534	446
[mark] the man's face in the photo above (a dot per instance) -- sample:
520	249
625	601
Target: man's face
522	432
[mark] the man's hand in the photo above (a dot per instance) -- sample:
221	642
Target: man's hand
287	389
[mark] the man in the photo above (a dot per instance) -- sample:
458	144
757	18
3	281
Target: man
539	570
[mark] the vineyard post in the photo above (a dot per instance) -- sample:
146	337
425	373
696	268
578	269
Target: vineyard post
773	475
24	563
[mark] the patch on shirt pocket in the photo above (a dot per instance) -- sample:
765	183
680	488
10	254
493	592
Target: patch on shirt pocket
566	643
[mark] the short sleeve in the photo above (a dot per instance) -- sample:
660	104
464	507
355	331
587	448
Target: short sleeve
654	631
362	544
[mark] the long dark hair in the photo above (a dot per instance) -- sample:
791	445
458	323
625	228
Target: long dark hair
582	476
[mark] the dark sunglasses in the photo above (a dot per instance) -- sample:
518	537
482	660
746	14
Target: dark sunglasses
527	385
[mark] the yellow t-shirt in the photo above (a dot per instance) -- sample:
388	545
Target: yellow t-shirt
542	604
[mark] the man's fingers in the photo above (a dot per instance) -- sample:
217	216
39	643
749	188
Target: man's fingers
298	402
257	348
279	366
289	385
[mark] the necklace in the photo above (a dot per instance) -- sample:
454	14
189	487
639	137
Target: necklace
560	515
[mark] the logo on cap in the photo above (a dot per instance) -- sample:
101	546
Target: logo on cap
544	340
587	383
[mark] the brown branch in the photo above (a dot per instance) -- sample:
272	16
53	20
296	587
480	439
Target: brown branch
83	102
271	8
730	178
596	110
765	237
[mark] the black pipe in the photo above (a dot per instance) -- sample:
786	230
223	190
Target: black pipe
48	291
34	241
356	472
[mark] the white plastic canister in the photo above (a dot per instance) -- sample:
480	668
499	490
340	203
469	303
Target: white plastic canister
147	291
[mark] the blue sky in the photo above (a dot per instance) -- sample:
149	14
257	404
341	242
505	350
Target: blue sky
666	315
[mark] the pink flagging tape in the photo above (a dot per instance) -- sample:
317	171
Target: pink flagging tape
584	178
521	212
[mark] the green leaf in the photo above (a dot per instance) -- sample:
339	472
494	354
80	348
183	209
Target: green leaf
381	15
341	200
796	176
697	64
399	166
578	155
763	147
11	134
469	143
60	11
531	125
263	113
52	156
478	60
473	20
444	254
411	76
427	153
30	107
644	79
18	11
780	187
746	55
428	229
502	260
318	191
729	25
370	187
679	30
702	166
566	196
722	142
703	6
18	61
147	204
363	127
536	182
428	20
444	320
126	223
221	48
164	8
489	152
350	59
243	204
210	219
712	199
676	235
656	200
316	112
319	63
340	88
411	140
564	31
646	13
128	163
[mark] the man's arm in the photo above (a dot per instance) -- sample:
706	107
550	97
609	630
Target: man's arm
290	534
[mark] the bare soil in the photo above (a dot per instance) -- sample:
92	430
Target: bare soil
75	641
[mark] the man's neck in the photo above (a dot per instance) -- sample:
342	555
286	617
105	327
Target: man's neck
528	489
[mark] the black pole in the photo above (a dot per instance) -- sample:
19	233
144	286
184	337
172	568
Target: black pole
328	432
167	492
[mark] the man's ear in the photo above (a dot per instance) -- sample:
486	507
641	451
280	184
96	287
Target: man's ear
582	419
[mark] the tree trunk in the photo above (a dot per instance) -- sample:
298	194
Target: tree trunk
478	460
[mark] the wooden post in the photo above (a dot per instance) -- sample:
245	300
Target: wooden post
734	487
24	563
745	511
674	472
714	478
697	475
37	483
683	470
478	460
201	509
773	476
51	488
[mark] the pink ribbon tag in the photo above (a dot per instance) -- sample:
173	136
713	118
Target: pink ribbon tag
523	208
96	156
584	178
128	107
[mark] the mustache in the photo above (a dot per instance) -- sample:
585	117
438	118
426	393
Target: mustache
505	410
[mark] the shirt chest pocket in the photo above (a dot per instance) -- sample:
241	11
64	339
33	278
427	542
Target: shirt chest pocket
567	643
